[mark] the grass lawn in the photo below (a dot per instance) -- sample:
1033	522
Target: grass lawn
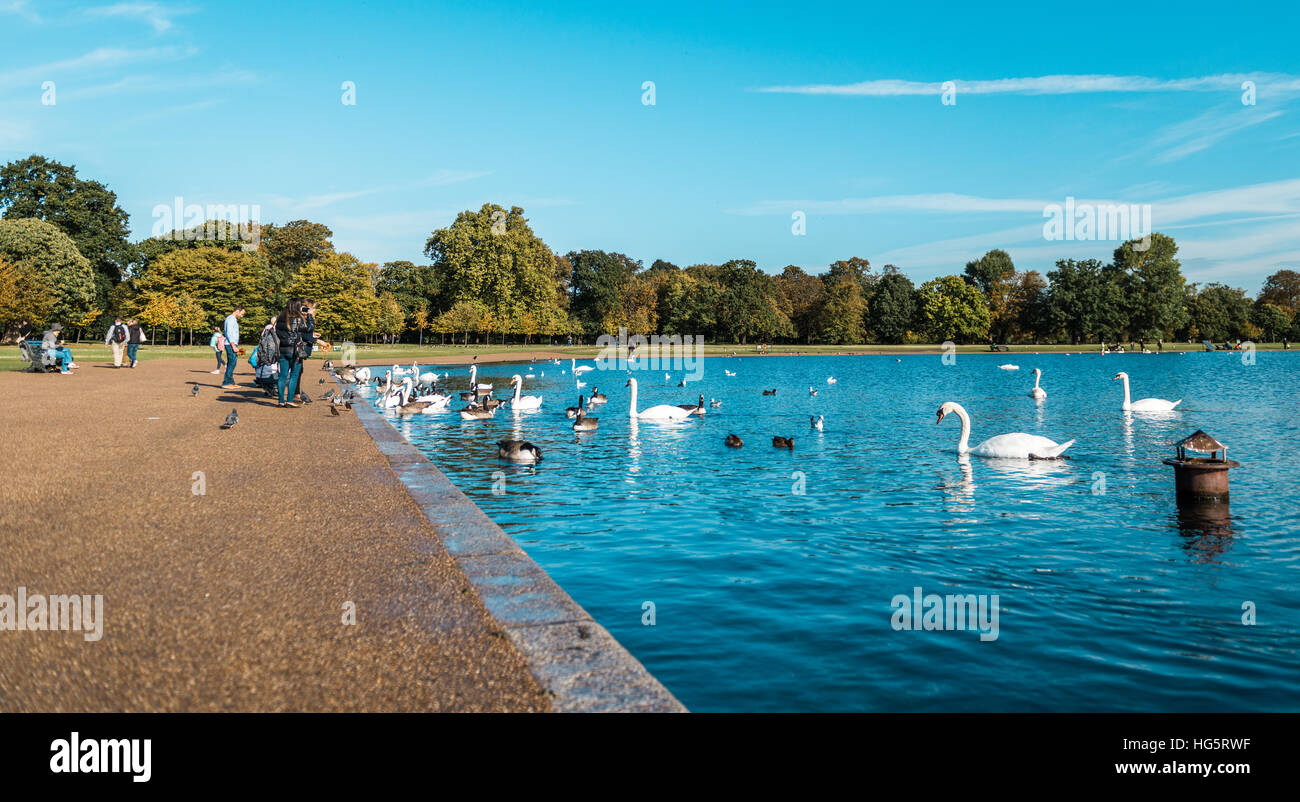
89	353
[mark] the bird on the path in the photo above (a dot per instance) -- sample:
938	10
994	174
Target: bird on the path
194	390
306	399
334	410
231	419
328	395
321	381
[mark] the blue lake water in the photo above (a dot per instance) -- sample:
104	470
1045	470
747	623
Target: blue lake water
771	599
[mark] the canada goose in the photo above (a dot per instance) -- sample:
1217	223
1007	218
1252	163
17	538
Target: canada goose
413	407
733	441
476	413
715	403
573	412
585	424
597	397
327	365
783	442
770	392
694	409
518	451
817	421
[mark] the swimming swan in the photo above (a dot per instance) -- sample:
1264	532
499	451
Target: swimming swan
1016	445
1144	404
521	401
1037	392
658	412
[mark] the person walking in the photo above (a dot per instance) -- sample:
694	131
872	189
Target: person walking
135	337
217	342
231	333
116	339
52	341
291	329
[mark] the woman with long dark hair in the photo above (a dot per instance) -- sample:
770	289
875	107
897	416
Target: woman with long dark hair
291	327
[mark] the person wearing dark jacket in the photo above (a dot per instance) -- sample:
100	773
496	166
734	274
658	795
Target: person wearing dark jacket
116	337
291	327
135	337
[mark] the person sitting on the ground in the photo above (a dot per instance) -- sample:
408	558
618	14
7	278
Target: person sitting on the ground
52	341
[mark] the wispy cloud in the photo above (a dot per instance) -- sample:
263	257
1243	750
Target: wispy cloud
21	8
1205	130
141	84
98	59
1049	85
442	177
158	16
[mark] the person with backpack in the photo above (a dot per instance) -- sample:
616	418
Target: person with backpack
218	344
135	337
116	339
291	329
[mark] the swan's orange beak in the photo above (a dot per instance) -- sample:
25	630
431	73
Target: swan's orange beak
940	418
1115	377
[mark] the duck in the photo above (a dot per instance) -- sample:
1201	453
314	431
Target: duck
729	373
1016	445
817	421
811	391
1037	392
518	451
584	423
770	392
1143	404
572	412
521	401
597	397
831	379
715	403
733	441
783	442
694	409
476	413
657	412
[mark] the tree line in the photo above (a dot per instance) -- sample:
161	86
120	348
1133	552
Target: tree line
66	255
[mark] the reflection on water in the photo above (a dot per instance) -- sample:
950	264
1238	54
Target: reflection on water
773	591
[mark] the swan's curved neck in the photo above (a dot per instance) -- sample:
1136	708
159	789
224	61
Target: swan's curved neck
963	444
632	406
1127	400
519	389
1037	376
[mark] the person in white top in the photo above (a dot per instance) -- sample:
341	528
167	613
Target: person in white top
116	339
231	329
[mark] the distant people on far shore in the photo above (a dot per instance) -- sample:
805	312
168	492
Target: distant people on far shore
52	341
135	337
231	332
218	344
115	338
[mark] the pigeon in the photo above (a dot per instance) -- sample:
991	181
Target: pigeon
194	390
347	404
322	381
306	399
334	410
327	396
231	420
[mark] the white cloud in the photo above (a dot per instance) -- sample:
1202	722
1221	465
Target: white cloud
1050	85
99	59
158	16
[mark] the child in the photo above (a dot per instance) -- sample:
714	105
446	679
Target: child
218	344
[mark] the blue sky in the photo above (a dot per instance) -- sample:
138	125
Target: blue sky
834	110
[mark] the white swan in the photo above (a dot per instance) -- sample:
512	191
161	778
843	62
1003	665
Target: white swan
658	412
1144	404
817	422
521	401
1037	392
729	372
578	370
1016	445
396	395
362	374
831	379
473	380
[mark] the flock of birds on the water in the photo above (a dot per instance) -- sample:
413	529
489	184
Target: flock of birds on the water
408	391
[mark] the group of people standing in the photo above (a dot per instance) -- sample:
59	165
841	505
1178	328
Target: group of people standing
295	338
125	339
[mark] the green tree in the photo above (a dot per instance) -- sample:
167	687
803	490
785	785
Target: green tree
216	277
493	258
86	211
990	269
1273	320
597	286
346	304
951	308
893	308
1282	289
1153	285
843	313
23	295
1084	300
804	296
750	307
1217	312
68	276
